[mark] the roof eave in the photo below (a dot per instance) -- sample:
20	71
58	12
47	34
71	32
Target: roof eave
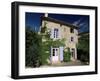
58	21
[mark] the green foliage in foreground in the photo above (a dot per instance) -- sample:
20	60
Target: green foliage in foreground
33	44
83	48
67	55
38	51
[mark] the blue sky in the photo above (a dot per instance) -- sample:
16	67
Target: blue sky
82	21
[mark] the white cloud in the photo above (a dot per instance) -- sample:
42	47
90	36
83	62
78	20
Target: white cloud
77	22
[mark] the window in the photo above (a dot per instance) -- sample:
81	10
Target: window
55	33
72	39
56	52
73	52
53	52
72	30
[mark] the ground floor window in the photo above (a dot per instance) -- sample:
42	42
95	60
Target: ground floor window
55	51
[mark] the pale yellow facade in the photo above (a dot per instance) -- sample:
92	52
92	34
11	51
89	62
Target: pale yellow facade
64	33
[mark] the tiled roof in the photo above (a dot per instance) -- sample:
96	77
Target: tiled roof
59	21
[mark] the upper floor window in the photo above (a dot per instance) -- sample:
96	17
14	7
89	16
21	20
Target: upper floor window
71	30
55	33
72	39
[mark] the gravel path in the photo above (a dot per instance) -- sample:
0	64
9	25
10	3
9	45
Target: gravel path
72	63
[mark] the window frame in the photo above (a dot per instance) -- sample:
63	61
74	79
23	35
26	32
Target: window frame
71	30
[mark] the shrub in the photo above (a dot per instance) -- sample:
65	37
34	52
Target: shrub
67	55
83	48
83	56
33	44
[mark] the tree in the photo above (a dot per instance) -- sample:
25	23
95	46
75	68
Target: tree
83	48
33	44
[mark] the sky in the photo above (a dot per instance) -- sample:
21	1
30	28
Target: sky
33	20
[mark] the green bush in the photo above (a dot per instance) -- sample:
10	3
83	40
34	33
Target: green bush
67	55
33	48
44	54
83	48
83	56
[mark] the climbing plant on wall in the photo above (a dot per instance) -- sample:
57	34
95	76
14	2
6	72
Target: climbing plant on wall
47	42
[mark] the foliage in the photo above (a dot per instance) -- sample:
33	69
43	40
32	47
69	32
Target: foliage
84	43
45	53
47	43
67	55
43	29
83	48
33	44
46	47
37	50
83	56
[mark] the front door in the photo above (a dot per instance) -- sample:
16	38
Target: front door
55	55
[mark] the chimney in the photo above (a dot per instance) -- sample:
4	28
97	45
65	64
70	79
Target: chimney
46	15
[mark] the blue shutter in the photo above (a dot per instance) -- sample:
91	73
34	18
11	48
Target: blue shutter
61	53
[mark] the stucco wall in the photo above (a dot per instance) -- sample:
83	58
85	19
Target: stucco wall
64	33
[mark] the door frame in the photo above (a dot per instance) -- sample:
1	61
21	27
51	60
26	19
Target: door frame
55	54
73	53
